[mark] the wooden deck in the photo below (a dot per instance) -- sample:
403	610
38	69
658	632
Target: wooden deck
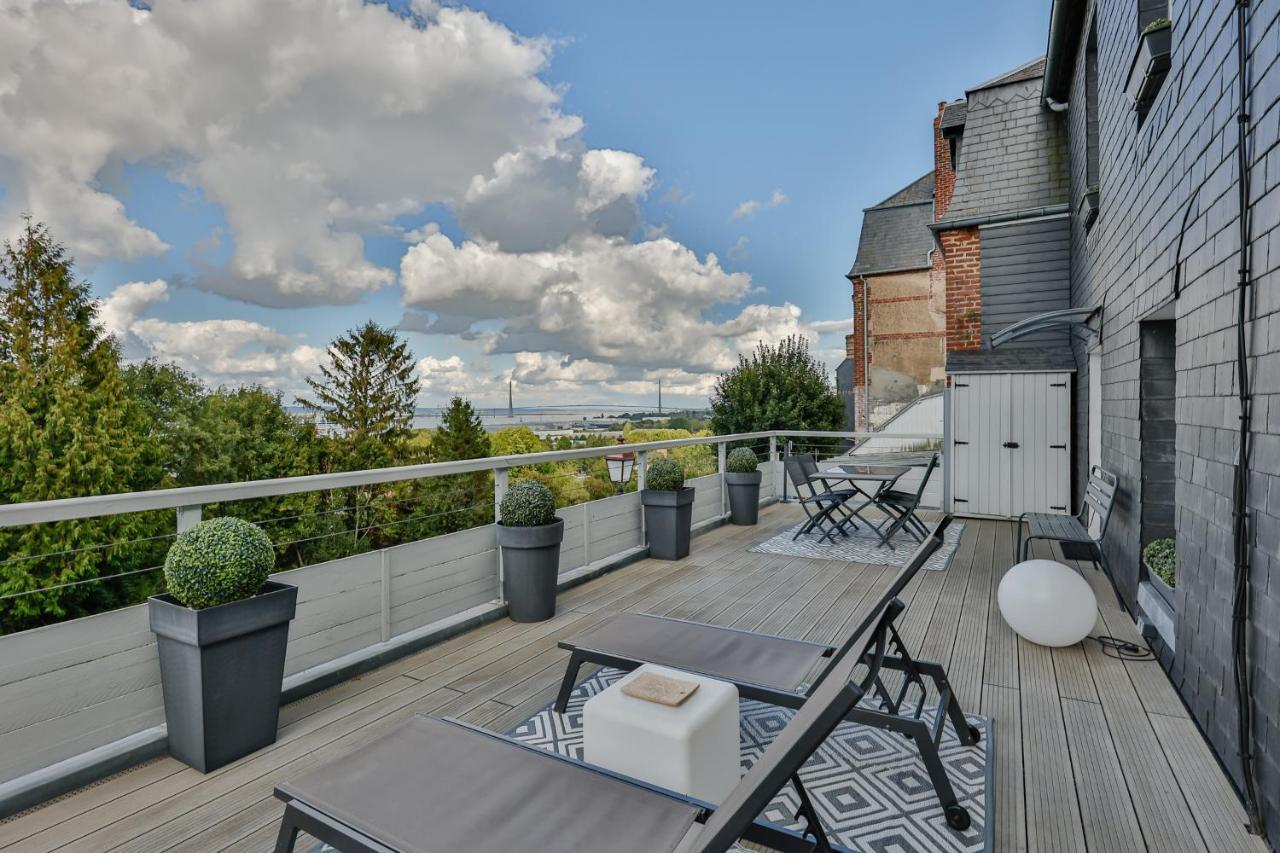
1092	753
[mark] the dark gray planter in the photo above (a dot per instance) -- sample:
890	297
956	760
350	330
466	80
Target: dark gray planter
668	517
1151	63
1158	584
744	497
530	566
220	671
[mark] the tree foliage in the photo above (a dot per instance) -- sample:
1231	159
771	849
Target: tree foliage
67	429
777	387
368	389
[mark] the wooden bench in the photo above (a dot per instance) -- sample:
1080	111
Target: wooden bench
1095	512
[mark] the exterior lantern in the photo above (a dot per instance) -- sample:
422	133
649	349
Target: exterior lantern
620	467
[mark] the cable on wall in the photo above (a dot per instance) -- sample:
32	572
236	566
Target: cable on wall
1242	592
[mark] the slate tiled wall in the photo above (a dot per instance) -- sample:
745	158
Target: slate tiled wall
1149	174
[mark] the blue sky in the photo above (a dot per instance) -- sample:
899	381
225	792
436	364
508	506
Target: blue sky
823	108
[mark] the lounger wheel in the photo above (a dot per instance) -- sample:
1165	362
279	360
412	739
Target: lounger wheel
976	734
957	817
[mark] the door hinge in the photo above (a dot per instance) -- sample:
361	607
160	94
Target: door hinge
1012	445
960	385
1057	447
959	500
1057	385
959	442
1059	508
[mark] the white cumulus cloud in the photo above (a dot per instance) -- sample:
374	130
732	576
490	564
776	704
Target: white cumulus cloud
309	122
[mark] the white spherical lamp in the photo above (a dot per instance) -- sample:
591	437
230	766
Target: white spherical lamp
1047	603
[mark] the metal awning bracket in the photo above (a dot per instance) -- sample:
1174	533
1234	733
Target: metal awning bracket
1075	319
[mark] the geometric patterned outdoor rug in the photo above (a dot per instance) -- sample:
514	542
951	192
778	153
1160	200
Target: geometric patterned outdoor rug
869	786
861	546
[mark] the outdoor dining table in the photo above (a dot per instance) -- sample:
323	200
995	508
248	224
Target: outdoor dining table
883	476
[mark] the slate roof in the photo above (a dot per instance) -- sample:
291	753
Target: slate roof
1032	70
895	232
954	115
1015	149
1012	360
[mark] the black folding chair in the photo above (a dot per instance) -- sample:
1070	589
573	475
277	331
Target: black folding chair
824	506
902	506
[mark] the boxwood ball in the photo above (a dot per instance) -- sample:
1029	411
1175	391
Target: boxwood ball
218	561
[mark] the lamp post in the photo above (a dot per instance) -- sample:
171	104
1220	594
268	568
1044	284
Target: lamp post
620	467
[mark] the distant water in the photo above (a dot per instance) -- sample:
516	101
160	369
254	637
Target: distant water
539	419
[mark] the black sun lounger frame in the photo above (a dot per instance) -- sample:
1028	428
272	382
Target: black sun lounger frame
895	712
407	793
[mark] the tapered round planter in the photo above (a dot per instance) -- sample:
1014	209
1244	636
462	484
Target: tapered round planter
668	516
530	566
744	497
220	671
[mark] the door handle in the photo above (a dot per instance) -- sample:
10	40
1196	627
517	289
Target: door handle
1012	445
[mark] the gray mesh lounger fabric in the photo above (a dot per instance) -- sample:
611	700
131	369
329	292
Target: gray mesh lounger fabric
433	786
736	656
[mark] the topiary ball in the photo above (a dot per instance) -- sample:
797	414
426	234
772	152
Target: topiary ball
742	460
218	561
528	503
665	475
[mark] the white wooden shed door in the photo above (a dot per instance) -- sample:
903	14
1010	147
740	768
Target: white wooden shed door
1011	443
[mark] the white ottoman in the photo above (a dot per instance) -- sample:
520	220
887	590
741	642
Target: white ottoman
691	748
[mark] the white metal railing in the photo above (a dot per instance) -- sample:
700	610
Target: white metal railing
187	501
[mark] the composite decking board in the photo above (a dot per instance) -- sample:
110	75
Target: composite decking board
944	623
1106	809
968	652
1213	802
509	670
1053	812
1157	798
1003	706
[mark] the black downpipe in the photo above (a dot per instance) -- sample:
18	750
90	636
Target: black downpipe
1242	593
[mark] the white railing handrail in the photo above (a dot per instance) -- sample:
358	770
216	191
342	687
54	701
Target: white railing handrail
68	509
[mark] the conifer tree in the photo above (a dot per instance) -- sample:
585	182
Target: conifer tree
67	429
367	389
459	501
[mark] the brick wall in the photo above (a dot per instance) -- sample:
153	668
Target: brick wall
1149	174
961	253
855	349
944	175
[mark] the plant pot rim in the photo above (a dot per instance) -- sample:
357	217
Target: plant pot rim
667	497
559	521
744	477
269	588
524	537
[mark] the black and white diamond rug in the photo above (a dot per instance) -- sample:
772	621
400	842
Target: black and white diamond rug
869	786
861	546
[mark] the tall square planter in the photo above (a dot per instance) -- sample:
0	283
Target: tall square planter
221	669
668	518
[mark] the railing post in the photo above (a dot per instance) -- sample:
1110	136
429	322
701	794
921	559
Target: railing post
773	463
642	472
722	449
501	477
188	517
385	567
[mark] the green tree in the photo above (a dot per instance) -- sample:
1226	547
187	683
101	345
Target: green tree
170	401
67	429
458	501
778	387
368	389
